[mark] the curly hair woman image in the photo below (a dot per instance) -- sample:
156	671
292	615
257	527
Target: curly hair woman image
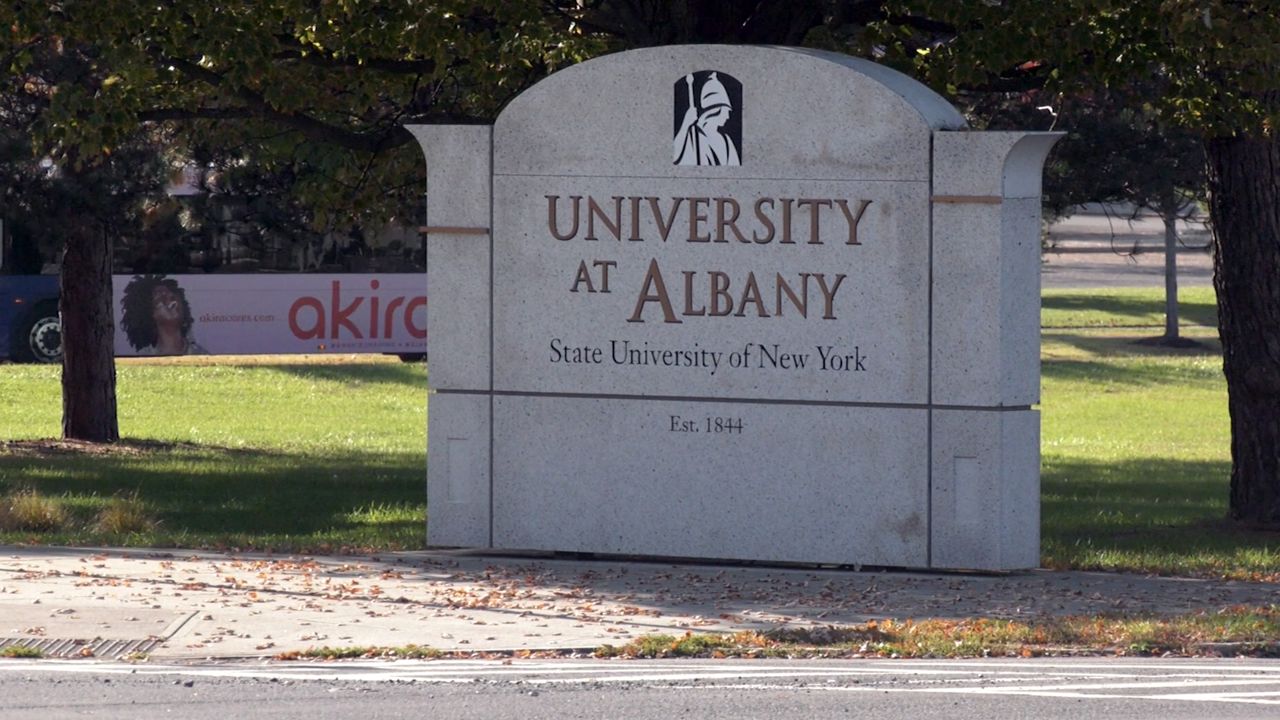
156	317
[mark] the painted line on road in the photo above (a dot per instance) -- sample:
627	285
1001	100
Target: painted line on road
1070	680
1122	686
1243	698
534	667
1260	698
999	666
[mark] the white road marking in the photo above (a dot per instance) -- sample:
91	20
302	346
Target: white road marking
1260	698
619	671
1254	683
1022	689
1246	698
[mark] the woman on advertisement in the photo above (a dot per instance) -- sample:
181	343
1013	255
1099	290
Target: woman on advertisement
156	317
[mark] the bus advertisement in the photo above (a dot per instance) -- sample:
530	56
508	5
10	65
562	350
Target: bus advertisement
358	299
270	314
229	315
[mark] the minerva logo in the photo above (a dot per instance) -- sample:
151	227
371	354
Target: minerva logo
708	119
371	316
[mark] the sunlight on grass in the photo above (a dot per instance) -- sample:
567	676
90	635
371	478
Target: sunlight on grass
1125	307
1135	451
282	456
385	514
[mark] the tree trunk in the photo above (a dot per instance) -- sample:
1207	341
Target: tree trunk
1244	185
88	354
1170	276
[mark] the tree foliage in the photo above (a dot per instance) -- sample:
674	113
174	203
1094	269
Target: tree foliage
322	89
315	93
1215	59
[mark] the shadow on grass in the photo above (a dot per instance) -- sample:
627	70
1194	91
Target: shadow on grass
1110	345
409	375
201	495
1148	491
1129	310
1207	376
1145	514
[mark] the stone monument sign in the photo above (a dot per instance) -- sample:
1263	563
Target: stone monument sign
735	302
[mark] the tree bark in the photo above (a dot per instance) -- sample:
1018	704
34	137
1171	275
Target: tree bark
1170	276
88	330
1244	185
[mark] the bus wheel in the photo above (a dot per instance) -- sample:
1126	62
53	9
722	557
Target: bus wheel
412	357
41	340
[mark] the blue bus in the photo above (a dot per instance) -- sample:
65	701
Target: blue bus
29	327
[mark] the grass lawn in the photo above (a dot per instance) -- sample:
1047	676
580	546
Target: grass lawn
315	455
1135	441
1136	308
302	455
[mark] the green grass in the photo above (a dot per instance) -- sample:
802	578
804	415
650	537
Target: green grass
403	652
320	456
1125	307
314	456
1135	444
15	652
663	646
1233	631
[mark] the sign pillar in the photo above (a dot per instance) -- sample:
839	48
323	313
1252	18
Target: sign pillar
459	317
985	350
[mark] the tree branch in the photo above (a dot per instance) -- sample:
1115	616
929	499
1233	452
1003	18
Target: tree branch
581	20
163	114
257	106
319	57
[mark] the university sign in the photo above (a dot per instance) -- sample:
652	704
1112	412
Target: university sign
735	302
766	230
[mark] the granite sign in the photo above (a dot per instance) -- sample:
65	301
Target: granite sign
735	302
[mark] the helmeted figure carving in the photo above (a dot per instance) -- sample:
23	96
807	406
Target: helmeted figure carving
701	139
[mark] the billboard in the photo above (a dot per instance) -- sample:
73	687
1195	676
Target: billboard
268	314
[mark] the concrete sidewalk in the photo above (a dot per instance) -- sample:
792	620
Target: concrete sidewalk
176	605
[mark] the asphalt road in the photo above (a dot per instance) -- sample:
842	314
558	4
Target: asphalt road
528	689
1100	251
